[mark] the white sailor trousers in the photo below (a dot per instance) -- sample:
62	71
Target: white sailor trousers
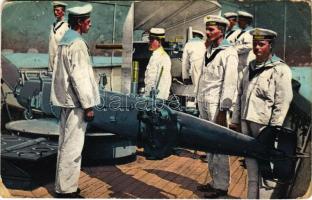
256	186
218	164
71	140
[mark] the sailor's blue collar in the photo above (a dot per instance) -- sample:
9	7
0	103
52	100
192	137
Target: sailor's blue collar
225	43
273	61
63	20
276	59
195	39
248	28
270	63
234	28
69	37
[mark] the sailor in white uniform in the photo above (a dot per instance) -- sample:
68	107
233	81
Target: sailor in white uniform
243	41
231	31
193	57
264	96
75	90
216	89
57	31
158	70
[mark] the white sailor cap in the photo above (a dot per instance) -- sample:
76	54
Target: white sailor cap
59	3
243	14
80	11
263	34
198	32
215	20
157	32
229	15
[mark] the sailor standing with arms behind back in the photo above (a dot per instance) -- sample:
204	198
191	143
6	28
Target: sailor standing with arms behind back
58	29
75	90
158	70
216	89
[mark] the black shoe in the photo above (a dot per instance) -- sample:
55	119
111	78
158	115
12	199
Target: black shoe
242	163
215	193
73	195
203	158
150	157
205	188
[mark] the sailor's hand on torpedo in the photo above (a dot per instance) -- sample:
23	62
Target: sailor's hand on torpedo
221	118
235	127
88	114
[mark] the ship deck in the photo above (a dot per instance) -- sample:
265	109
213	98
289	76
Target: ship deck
172	177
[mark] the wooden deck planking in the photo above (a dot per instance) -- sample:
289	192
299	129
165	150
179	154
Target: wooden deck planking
195	178
172	177
39	192
139	180
145	177
184	180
